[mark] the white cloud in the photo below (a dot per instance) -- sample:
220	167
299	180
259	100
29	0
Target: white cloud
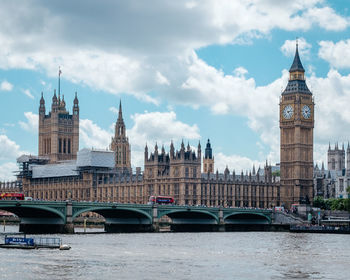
8	148
336	54
332	116
288	48
156	55
326	18
235	162
93	136
31	123
6	171
113	109
27	93
152	55
6	86
161	127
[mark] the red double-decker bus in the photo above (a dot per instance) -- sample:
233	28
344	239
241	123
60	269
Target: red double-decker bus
11	196
161	200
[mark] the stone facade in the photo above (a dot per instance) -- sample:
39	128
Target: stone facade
332	183
58	130
296	128
120	145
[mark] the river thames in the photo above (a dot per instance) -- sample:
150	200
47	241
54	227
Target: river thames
229	255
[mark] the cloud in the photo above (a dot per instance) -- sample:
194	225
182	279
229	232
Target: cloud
154	58
6	86
288	48
235	162
31	123
161	127
336	54
132	47
9	150
332	117
326	18
93	136
27	93
113	109
6	171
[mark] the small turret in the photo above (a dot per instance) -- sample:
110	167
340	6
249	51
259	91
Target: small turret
76	105
146	153
42	105
199	150
172	149
182	150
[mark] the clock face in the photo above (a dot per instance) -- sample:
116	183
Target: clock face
288	112
306	111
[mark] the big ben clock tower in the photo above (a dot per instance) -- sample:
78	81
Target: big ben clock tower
296	126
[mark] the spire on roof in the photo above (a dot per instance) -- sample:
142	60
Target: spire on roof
120	115
42	101
296	65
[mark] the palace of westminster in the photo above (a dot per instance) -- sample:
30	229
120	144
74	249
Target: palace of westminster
63	172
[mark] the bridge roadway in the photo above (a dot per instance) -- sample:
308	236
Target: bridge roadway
58	217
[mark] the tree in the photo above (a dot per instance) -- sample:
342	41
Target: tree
319	202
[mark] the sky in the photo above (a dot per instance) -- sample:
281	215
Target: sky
183	70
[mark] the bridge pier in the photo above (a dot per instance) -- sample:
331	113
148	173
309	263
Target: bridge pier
69	226
155	220
221	225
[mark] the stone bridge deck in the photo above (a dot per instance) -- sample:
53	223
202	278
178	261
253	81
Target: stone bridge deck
51	216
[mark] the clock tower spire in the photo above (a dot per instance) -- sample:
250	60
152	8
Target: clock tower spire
296	128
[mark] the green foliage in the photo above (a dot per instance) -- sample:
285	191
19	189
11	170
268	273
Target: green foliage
342	204
348	190
276	173
319	202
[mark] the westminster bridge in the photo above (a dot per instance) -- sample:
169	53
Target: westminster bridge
58	217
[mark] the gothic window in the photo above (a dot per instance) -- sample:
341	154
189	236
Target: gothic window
186	189
64	146
68	146
194	172
176	189
333	164
194	190
186	172
60	145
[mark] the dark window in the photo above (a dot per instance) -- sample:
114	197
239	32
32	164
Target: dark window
68	146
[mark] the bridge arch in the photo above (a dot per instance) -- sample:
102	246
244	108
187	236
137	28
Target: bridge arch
246	218
32	211
189	216
111	210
